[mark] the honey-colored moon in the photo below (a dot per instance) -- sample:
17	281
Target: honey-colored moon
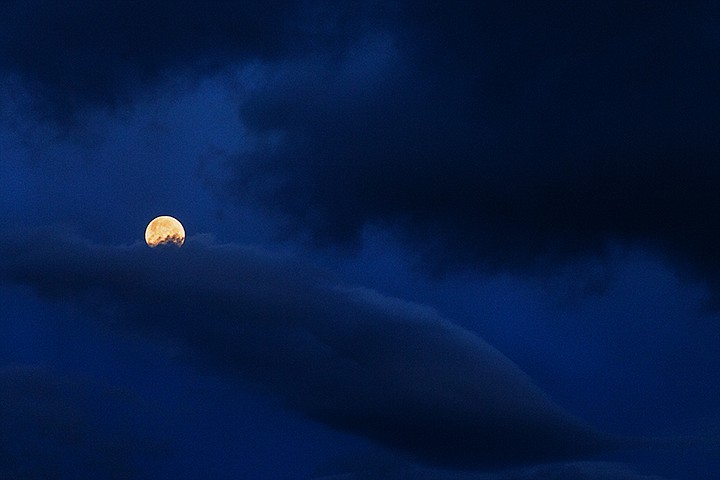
164	230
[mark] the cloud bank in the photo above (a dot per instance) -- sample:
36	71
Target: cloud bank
392	371
505	136
508	136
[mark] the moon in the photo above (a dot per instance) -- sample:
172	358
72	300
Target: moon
164	230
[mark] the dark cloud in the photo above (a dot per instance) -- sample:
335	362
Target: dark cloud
580	471
389	370
508	135
81	54
511	136
385	467
58	427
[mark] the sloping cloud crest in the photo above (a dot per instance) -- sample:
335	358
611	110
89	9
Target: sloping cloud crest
392	371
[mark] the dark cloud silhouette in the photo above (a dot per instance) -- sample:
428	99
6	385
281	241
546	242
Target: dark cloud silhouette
512	136
83	54
392	371
386	467
507	135
57	427
580	471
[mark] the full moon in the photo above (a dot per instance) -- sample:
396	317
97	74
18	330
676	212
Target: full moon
164	230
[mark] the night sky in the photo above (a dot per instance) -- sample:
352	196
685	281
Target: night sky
425	240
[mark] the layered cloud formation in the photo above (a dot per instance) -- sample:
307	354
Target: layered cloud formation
392	371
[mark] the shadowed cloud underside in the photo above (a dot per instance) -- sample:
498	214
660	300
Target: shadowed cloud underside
392	371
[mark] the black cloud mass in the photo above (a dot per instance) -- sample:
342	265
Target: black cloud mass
393	371
81	55
508	136
530	135
389	468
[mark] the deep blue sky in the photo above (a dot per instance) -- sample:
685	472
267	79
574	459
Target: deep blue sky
426	240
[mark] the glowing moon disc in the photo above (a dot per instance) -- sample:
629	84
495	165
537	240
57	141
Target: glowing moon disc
164	230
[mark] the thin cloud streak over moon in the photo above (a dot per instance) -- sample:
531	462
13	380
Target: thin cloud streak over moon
392	371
